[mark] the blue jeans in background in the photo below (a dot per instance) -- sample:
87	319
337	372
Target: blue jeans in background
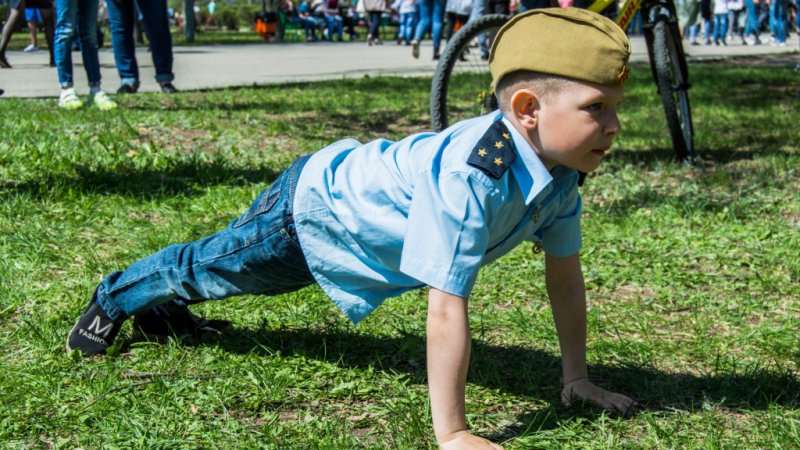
720	28
431	14
778	19
751	27
122	20
406	31
334	24
479	10
80	14
258	253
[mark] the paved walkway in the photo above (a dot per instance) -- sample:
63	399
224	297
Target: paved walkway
201	67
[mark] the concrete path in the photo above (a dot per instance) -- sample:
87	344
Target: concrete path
201	67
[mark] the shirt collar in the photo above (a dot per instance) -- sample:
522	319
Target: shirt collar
532	176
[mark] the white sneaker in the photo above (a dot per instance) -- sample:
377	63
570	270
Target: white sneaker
69	99
102	101
30	48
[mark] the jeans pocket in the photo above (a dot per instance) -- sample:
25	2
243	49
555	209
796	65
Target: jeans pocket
262	204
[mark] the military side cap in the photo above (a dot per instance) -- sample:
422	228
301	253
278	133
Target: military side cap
569	42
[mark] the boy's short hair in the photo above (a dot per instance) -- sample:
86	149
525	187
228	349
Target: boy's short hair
545	85
571	43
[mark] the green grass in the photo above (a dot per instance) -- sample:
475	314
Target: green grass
692	271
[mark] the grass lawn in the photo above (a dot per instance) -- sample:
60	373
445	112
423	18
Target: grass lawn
692	271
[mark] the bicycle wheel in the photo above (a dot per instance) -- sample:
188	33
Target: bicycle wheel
462	84
670	73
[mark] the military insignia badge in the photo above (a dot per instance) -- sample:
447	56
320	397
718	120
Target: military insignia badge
494	152
623	74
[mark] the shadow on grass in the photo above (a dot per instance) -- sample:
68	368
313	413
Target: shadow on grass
183	178
524	371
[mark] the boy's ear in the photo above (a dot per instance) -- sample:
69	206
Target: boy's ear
525	106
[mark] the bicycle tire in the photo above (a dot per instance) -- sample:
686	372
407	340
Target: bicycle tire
673	87
449	104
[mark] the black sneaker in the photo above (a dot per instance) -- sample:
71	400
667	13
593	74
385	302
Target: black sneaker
127	88
168	88
95	331
172	319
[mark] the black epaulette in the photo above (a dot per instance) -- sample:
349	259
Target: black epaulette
494	152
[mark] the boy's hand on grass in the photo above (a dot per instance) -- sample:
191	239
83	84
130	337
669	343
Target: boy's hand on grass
464	440
583	389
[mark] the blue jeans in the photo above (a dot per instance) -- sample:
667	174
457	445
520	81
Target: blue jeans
258	253
431	14
778	10
375	24
752	19
121	19
406	31
83	14
720	27
334	24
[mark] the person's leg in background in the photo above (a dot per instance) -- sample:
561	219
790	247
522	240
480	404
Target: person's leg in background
14	13
723	34
751	27
778	9
425	11
121	20
708	24
33	18
48	20
437	25
693	33
66	13
156	23
87	33
479	10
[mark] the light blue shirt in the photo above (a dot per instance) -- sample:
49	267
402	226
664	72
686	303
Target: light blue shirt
379	219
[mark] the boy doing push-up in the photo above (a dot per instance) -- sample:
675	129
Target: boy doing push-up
371	221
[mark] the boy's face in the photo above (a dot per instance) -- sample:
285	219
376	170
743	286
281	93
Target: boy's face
576	127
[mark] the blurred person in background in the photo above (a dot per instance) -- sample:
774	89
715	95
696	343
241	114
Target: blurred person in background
16	7
122	20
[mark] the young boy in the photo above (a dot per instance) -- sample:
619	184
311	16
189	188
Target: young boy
371	221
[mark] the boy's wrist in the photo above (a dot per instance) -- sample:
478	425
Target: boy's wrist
567	382
573	374
447	437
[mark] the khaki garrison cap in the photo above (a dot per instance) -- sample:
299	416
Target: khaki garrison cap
570	42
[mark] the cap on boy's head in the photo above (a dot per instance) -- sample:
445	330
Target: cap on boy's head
570	42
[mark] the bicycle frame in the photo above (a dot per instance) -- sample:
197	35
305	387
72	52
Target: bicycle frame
625	13
625	16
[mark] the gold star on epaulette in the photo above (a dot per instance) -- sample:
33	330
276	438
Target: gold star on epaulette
506	135
482	152
498	144
498	161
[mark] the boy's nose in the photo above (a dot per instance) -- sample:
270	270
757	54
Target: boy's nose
614	126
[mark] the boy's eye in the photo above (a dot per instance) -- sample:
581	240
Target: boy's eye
595	106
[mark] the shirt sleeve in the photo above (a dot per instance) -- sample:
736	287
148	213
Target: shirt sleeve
563	236
447	233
